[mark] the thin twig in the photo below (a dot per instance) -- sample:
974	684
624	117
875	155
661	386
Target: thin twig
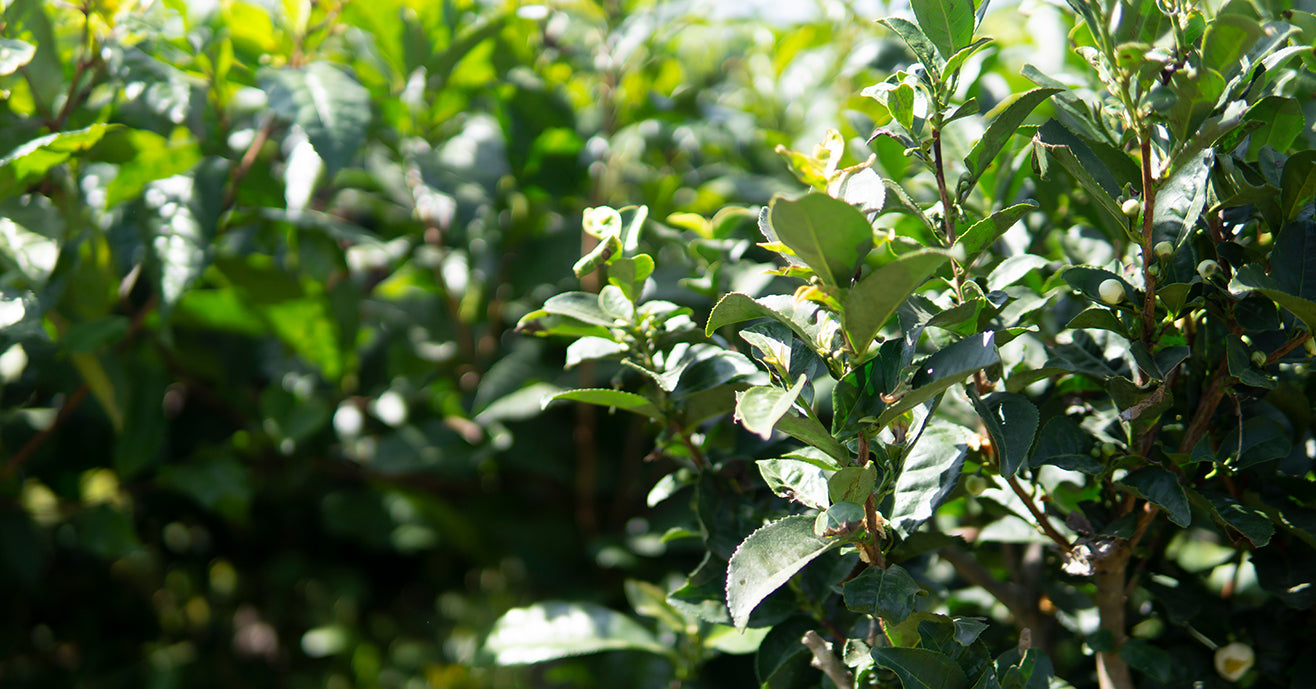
825	661
1043	521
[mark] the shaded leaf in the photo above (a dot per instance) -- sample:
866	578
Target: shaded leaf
943	369
1012	421
919	668
877	296
1005	120
605	397
889	594
985	232
330	105
930	472
1162	489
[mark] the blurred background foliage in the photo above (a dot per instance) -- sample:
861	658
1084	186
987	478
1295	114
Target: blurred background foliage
264	419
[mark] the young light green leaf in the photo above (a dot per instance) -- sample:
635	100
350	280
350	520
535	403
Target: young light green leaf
830	236
948	24
920	668
1005	120
807	429
768	558
557	629
29	161
1012	421
877	296
804	318
581	306
14	54
930	472
329	104
760	407
607	397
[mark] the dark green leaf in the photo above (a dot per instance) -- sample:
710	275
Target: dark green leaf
830	236
919	668
930	472
768	558
1162	489
1078	159
1154	662
1298	184
918	42
1251	277
1253	524
1012	422
887	593
939	371
1180	201
1004	122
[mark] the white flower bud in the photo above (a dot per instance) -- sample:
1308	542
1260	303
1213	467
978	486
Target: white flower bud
976	484
1207	269
1163	249
1131	207
1258	359
1233	661
1111	291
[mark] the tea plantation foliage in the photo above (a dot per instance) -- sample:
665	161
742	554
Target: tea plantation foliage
396	343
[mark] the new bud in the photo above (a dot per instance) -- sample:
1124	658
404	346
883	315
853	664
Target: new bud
1207	269
1233	661
1111	291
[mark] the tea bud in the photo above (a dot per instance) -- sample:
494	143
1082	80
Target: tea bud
1233	661
1207	269
1111	291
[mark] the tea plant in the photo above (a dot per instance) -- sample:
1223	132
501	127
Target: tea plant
1041	357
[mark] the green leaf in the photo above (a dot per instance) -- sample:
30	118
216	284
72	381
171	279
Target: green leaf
877	296
804	318
30	161
1239	358
768	558
1078	159
219	483
943	369
14	54
796	479
918	42
858	395
830	236
1279	120
629	274
842	520
648	600
31	239
1162	489
148	156
759	408
809	430
182	240
1298	183
1180	201
1012	422
889	594
557	629
930	472
1251	277
985	232
581	306
329	104
1253	524
948	24
1005	120
606	397
1229	36
919	668
1154	662
852	484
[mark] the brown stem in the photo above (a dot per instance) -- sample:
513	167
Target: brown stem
824	660
1043	521
947	210
1206	406
71	405
1148	250
248	159
1112	671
